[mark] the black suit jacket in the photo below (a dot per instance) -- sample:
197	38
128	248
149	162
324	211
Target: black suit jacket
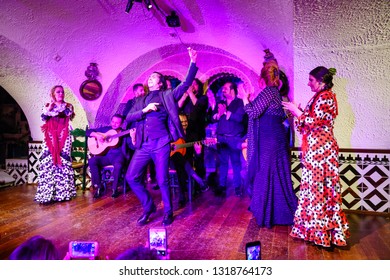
169	100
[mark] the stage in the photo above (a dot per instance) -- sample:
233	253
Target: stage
209	228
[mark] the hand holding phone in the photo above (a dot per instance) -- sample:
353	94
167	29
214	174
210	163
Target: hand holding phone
253	250
83	249
158	240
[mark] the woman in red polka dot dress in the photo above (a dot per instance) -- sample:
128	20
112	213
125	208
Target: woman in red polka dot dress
319	217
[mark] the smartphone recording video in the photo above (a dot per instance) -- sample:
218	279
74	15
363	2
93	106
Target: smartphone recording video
253	250
83	249
158	240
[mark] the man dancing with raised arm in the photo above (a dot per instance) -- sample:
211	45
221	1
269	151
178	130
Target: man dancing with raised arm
158	124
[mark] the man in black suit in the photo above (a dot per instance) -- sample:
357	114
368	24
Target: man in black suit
157	125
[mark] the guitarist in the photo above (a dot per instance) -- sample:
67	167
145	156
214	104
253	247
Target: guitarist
115	156
194	105
183	166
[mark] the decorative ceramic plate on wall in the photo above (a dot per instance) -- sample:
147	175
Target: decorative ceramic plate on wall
91	89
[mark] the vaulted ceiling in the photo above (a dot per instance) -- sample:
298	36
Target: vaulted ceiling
43	43
51	42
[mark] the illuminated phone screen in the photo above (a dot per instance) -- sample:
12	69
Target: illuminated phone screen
83	249
158	240
253	251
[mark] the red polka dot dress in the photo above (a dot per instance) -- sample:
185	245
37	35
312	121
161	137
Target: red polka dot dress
319	217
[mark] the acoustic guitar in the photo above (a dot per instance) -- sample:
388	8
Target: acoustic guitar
180	145
111	139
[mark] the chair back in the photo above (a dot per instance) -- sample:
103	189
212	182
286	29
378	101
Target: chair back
79	156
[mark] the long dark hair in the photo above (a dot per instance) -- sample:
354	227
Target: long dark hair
162	81
200	87
285	88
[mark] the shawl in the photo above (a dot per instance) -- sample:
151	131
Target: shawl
56	130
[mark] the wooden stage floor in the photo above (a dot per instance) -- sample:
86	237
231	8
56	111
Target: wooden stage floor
210	228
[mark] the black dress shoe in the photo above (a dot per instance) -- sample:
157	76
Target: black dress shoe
168	219
204	188
220	191
143	220
99	192
115	194
182	203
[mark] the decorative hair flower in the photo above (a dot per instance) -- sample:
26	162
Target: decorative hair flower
332	71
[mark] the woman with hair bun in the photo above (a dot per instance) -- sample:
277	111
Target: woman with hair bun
319	217
273	201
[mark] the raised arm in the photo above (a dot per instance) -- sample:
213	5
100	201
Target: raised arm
193	69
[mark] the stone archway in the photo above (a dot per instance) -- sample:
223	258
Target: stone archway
28	81
14	129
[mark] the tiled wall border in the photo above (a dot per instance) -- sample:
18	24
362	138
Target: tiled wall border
364	175
34	150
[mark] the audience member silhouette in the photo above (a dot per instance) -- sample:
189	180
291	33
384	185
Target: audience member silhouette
140	253
35	248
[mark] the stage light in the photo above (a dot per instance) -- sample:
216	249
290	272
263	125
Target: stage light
148	4
129	6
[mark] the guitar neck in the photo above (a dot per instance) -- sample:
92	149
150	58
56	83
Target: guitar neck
185	145
189	144
120	134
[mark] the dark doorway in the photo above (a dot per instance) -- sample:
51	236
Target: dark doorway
14	129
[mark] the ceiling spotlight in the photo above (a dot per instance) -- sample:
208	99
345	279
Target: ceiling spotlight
173	20
129	6
148	4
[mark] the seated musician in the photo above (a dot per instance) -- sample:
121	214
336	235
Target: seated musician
106	152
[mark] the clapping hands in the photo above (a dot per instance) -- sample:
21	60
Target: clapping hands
292	107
